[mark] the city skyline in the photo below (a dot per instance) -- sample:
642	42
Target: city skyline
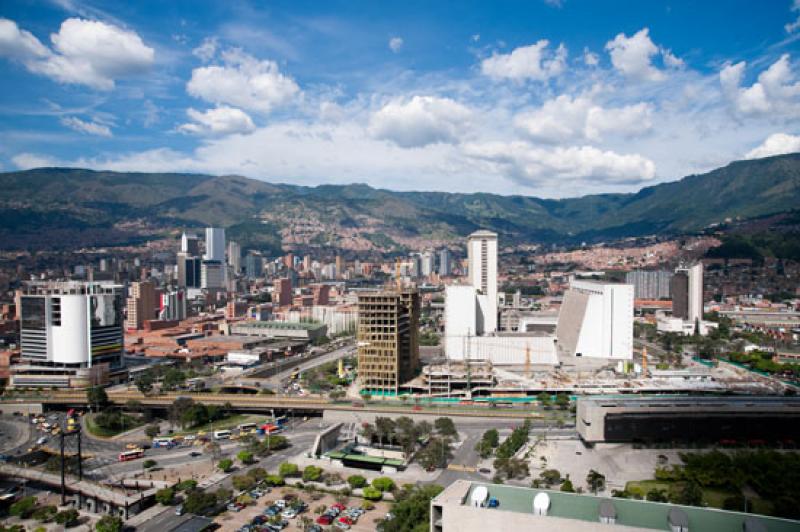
552	99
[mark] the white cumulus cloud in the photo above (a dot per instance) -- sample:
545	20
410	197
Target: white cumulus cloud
775	144
207	49
85	52
776	93
791	27
565	118
218	121
534	62
590	58
420	121
533	166
90	127
395	44
633	56
242	81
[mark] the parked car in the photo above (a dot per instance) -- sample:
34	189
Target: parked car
341	526
493	503
233	507
291	513
179	510
346	520
280	503
324	519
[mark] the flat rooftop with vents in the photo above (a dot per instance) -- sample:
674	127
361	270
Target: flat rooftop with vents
467	506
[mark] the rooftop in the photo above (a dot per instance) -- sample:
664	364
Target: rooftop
634	513
285	325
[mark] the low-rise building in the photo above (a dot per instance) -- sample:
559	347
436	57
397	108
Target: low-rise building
467	506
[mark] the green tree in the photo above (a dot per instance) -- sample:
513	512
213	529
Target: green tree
691	494
67	518
445	427
186	485
372	494
97	397
356	481
567	486
109	523
177	408
274	480
596	481
562	401
243	482
226	464
144	382
151	431
172	379
44	514
411	512
435	454
257	473
550	477
23	508
199	502
287	469
383	484
657	495
245	457
147	464
165	496
385	427
312	473
544	399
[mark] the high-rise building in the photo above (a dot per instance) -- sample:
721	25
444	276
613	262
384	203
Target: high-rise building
252	266
339	267
235	256
482	254
141	304
71	334
288	260
445	265
189	271
190	244
649	284
680	295
215	244
321	294
596	320
427	263
387	335
173	305
282	292
212	274
687	294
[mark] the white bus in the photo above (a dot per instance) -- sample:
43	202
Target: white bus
247	428
222	434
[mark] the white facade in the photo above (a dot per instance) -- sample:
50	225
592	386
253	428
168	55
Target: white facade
69	342
482	253
235	256
215	244
596	320
173	306
695	274
460	317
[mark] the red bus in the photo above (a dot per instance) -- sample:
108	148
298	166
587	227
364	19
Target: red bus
131	455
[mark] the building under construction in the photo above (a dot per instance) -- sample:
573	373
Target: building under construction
458	379
388	345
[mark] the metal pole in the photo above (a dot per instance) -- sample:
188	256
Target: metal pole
63	488
80	458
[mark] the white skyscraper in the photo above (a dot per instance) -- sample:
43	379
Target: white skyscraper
215	244
235	256
695	274
482	254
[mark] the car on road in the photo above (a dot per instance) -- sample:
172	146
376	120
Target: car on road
42	440
195	454
485	471
179	510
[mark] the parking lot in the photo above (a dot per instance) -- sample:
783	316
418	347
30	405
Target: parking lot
232	521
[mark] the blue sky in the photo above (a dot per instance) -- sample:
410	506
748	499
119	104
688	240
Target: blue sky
541	98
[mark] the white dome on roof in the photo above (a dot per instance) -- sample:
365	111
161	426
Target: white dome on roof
541	503
479	496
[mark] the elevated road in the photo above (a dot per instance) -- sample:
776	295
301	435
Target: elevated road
265	403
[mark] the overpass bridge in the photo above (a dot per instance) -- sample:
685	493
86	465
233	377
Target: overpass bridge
84	494
302	405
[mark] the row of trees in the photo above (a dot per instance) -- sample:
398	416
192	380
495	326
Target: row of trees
29	508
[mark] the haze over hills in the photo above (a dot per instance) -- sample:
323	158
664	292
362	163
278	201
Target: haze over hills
64	207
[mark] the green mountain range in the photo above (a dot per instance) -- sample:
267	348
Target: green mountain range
68	208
